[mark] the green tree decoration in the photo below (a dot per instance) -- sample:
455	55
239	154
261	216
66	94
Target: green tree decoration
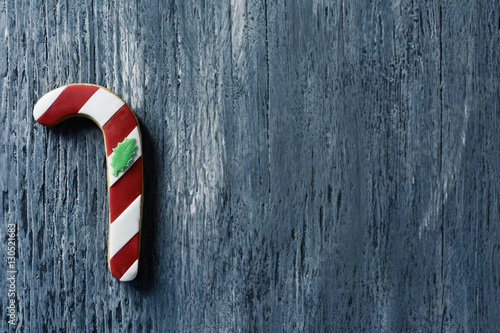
122	155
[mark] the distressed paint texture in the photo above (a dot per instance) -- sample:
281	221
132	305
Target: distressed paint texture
310	165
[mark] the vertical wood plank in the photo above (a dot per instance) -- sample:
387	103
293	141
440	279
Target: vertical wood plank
321	165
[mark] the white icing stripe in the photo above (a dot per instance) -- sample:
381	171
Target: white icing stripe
138	153
101	106
131	273
125	227
46	101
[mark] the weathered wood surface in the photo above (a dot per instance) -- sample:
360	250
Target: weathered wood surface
310	165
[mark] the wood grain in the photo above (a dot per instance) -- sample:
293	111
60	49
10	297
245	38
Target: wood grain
317	166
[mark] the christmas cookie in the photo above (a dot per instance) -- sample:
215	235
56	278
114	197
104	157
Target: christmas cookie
122	140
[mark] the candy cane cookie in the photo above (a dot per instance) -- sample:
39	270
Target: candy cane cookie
122	139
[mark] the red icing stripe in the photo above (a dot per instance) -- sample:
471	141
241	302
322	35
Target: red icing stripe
125	190
69	102
124	258
118	127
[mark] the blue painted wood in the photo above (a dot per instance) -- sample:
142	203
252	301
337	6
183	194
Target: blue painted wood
310	165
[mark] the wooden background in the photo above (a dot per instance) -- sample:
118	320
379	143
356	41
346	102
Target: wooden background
310	165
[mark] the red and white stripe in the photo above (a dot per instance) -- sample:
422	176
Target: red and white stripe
117	122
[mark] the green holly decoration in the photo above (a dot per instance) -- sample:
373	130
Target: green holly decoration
122	155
